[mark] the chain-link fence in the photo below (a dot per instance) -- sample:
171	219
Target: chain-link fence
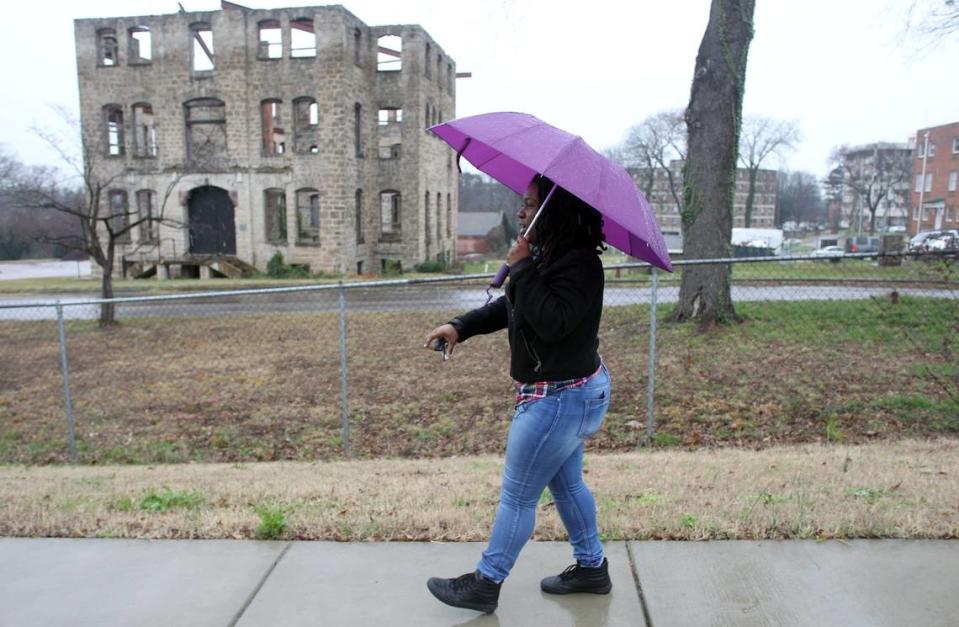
843	349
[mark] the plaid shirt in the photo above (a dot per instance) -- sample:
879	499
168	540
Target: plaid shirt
526	392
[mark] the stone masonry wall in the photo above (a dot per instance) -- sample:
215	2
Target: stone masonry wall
338	77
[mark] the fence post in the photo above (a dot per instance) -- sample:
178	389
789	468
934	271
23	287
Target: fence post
651	374
343	378
68	401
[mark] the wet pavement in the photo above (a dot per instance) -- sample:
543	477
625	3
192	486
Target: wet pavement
103	582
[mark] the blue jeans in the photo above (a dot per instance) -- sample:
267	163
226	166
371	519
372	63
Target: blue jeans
545	448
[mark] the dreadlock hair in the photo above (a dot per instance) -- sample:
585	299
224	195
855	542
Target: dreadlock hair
566	223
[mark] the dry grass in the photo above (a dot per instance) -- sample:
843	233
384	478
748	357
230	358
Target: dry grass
901	489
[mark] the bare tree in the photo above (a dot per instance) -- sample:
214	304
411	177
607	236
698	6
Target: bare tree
761	137
651	146
81	193
932	21
713	118
874	174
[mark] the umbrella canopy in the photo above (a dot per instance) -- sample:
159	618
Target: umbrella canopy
514	147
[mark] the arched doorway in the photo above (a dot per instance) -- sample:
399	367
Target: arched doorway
212	228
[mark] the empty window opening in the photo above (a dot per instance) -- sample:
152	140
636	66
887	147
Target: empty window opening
386	117
390	151
389	53
357	46
146	216
302	38
141	45
449	215
439	68
358	210
426	217
358	129
307	216
271	40
274	141
144	131
205	129
449	77
306	122
113	118
119	214
107	48
274	204
426	62
390	206
202	36
439	210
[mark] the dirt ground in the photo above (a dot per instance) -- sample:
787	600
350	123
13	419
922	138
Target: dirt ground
262	387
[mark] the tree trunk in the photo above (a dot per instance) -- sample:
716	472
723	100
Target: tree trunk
750	197
713	119
107	310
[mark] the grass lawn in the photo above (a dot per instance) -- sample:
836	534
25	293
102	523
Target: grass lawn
258	387
904	489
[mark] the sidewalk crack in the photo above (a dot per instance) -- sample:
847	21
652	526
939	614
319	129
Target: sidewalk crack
639	586
256	590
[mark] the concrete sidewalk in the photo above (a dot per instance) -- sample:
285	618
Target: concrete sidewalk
225	582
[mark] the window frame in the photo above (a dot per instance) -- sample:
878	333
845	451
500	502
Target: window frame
395	230
269	147
268	25
102	35
308	234
278	222
108	110
149	228
196	29
189	124
312	30
123	218
131	39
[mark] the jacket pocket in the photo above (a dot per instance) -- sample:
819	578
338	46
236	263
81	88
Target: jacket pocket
594	410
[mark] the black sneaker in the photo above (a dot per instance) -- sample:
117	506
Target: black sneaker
472	591
578	578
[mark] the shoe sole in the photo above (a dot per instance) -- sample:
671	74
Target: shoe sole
549	590
486	609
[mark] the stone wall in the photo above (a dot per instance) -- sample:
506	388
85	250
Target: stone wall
341	76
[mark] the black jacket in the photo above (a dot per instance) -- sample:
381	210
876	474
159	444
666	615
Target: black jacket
552	314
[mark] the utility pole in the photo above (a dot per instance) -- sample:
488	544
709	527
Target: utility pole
922	181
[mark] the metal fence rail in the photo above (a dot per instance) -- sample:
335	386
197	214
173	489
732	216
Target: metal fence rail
279	372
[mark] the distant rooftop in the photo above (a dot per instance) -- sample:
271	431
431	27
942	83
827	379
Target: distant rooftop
478	223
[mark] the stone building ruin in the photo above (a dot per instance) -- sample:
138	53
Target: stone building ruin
301	131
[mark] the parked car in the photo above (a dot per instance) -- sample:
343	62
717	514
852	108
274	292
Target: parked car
934	240
833	253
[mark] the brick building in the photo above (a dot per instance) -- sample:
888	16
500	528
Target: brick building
667	188
300	131
934	199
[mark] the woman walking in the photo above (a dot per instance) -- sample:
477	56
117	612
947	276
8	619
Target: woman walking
551	309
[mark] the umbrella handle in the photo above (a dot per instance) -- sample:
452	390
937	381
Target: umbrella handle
500	277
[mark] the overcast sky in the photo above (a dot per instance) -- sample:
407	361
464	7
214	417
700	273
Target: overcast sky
841	68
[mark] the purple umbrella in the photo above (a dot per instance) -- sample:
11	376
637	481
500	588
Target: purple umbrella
514	147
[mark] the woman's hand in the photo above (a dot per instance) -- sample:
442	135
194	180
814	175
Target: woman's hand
446	332
519	251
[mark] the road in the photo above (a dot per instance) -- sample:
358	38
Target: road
415	298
